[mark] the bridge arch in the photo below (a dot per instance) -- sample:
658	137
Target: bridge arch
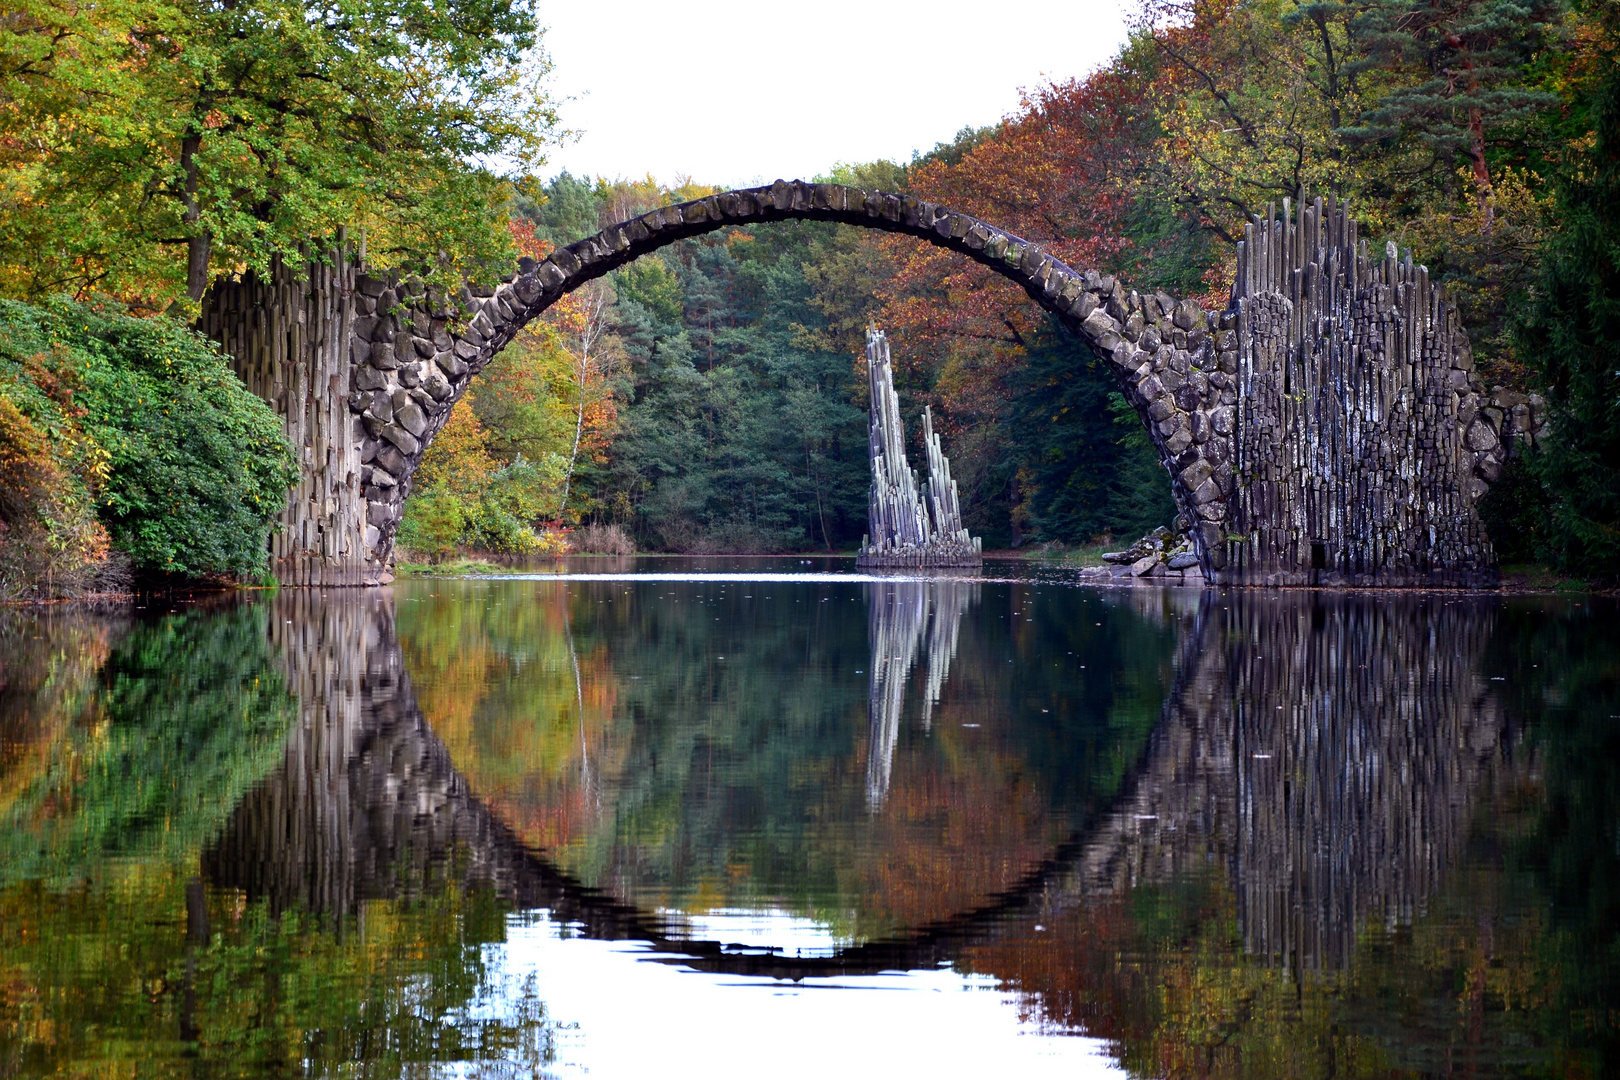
1326	427
403	335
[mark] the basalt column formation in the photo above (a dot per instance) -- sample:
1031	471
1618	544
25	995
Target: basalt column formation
1361	437
910	528
291	340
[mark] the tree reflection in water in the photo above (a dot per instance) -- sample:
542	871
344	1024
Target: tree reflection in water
1363	837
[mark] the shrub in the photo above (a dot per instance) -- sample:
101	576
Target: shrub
599	539
433	524
189	470
50	540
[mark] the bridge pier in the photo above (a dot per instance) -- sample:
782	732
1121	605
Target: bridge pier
1325	428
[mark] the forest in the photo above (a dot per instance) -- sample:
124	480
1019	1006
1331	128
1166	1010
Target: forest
711	398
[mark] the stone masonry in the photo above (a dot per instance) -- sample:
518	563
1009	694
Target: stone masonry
1363	469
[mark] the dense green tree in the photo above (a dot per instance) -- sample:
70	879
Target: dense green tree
738	429
567	210
1573	336
1087	466
154	143
1467	62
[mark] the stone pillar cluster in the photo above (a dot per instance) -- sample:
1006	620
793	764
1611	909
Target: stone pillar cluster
288	337
909	527
1363	438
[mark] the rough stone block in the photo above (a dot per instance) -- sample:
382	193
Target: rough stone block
367	377
434	384
412	419
401	438
453	364
1481	436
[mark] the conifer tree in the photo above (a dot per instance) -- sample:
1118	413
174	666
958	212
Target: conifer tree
1469	59
1574	338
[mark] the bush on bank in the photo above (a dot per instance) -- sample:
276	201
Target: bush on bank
124	438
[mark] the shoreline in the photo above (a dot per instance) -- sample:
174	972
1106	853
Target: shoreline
1516	581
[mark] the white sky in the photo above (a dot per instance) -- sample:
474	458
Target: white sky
718	92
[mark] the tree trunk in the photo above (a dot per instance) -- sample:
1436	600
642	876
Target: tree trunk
199	244
1482	169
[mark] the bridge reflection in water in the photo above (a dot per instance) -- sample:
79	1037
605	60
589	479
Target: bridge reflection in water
1320	754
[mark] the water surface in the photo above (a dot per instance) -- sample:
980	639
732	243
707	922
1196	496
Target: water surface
725	817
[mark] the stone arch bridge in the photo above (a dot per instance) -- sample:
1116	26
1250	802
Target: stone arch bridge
1326	427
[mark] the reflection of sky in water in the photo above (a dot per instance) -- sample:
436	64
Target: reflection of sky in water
776	930
617	1014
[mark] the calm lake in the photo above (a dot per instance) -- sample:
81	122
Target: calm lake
715	818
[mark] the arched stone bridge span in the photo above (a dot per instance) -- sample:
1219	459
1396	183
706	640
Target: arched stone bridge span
1326	427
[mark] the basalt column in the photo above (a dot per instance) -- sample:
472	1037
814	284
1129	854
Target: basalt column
1361	437
909	527
289	338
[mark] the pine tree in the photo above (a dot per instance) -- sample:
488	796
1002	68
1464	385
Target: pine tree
1469	59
